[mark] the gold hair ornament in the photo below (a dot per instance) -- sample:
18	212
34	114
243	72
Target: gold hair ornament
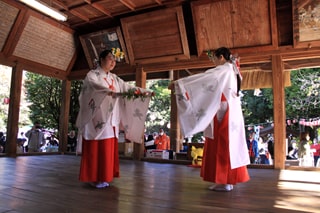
117	53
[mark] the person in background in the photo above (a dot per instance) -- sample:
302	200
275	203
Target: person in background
270	143
52	140
2	143
292	150
72	141
162	141
263	152
149	143
315	148
304	151
209	102
20	148
101	112
21	140
36	138
155	134
253	148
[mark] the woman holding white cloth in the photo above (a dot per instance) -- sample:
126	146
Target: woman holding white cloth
209	102
104	108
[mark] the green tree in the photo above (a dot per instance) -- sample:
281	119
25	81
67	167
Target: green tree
257	108
303	97
44	96
5	83
24	114
302	100
160	106
74	103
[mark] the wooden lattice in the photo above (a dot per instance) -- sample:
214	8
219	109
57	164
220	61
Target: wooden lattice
46	44
8	15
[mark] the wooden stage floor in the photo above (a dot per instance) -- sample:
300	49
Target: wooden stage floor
49	183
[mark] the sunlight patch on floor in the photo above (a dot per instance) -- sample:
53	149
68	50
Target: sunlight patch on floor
300	191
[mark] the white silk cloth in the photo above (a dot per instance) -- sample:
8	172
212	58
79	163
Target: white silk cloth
101	113
198	101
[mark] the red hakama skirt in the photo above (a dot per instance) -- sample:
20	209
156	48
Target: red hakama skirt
99	160
216	165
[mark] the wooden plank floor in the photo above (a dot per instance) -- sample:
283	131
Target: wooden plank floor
50	183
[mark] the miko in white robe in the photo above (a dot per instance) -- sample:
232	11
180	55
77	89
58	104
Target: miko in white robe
204	98
103	111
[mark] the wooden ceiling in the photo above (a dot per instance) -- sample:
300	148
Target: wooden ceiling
85	16
160	35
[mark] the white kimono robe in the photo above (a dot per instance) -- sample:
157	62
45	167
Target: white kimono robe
198	100
100	113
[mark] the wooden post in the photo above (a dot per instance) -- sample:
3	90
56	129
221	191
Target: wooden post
14	110
279	112
175	136
64	116
141	79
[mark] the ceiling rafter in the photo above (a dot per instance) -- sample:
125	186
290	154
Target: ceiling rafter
60	4
158	2
76	13
72	11
129	4
102	9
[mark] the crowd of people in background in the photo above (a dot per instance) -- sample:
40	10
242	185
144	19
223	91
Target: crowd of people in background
37	139
260	149
304	150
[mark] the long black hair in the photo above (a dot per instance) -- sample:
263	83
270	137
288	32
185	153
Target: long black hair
226	53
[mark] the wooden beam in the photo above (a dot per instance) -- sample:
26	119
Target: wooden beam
80	15
158	2
279	112
5	61
196	65
40	68
60	4
273	22
129	4
14	110
300	64
102	9
15	33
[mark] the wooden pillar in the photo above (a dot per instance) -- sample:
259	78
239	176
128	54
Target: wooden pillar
141	80
14	110
279	112
64	116
175	133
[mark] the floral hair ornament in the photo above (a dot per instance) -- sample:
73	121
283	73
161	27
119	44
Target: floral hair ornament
209	54
117	53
